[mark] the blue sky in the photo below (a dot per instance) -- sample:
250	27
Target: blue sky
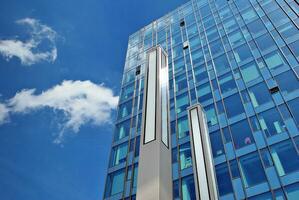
56	110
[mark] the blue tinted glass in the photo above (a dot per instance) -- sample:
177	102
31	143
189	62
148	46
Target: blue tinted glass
292	191
271	122
233	105
265	42
288	82
185	156
216	143
252	170
183	127
176	190
200	73
119	154
221	63
115	183
223	180
259	94
204	92
188	188
125	109
274	60
265	196
122	130
294	107
242	53
256	27
281	154
227	82
295	48
241	134
182	102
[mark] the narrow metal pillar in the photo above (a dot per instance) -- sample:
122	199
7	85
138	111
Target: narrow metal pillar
154	169
203	167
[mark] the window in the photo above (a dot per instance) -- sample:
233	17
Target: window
259	94
204	92
234	168
271	122
185	156
182	102
285	157
211	115
242	53
223	180
200	73
124	110
292	191
227	82
236	38
278	17
197	56
288	30
274	60
176	190
287	82
216	143
183	127
127	92
265	42
180	82
295	48
233	105
243	4
250	72
252	170
249	15
256	27
216	48
241	134
135	175
122	130
179	65
115	183
294	107
221	63
192	30
188	188
119	154
230	24
212	34
137	146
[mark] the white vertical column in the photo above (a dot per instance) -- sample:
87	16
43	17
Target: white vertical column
203	167
154	169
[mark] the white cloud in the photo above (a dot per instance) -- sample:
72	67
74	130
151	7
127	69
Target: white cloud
28	51
4	112
81	102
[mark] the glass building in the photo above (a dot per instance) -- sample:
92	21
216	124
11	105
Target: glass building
240	60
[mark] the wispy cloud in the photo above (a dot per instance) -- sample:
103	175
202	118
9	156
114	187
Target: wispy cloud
29	51
81	102
4	112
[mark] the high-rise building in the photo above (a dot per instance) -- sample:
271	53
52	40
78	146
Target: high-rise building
238	59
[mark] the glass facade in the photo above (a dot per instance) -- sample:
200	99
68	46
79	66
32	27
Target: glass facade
240	60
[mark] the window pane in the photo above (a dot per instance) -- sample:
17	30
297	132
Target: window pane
124	110
249	15
115	183
259	94
122	130
294	107
200	73
242	53
188	188
216	143
281	154
183	127
252	170
265	42
182	102
293	191
236	38
204	92
216	48
241	134
227	82
176	190
233	105
127	92
211	115
223	180
256	27
271	122
221	64
295	48
274	60
287	82
250	72
119	154
265	196
185	156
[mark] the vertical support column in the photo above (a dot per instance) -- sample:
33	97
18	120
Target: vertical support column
203	167
154	169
